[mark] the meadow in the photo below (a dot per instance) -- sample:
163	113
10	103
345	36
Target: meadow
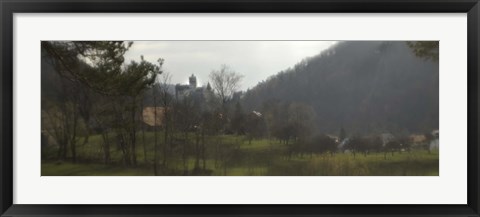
258	157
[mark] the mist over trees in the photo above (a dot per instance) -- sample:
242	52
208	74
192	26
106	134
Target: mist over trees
358	108
365	87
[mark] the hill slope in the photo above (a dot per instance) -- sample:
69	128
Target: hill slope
365	87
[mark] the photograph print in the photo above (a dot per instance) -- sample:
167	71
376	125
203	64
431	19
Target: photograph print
240	108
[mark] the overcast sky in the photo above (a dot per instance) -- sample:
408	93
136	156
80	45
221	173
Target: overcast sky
256	60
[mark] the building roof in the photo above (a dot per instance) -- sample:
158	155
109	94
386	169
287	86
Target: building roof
148	116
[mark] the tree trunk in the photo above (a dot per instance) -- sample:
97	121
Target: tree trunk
184	154
155	160
197	151
134	136
106	147
143	134
216	155
166	136
203	150
74	135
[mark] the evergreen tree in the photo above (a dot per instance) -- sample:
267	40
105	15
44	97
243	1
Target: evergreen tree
342	135
238	120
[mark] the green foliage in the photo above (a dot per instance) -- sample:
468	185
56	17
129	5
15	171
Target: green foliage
428	50
103	71
93	113
289	121
322	144
137	77
96	88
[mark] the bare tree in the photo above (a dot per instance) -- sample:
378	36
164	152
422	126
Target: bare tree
166	102
225	82
155	127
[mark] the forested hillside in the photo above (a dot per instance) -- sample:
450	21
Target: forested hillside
356	109
365	87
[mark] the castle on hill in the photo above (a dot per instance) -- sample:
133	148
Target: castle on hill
191	89
201	97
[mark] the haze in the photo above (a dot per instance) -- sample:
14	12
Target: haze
256	60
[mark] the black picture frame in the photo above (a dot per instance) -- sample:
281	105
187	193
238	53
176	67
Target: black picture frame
9	7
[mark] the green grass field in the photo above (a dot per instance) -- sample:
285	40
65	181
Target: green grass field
260	158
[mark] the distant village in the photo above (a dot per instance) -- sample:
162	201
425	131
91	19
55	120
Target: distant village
204	93
338	113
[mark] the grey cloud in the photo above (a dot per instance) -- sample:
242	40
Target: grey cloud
256	60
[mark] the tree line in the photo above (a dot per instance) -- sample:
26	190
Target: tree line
375	86
89	90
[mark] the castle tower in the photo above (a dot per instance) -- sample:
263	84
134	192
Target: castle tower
193	81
